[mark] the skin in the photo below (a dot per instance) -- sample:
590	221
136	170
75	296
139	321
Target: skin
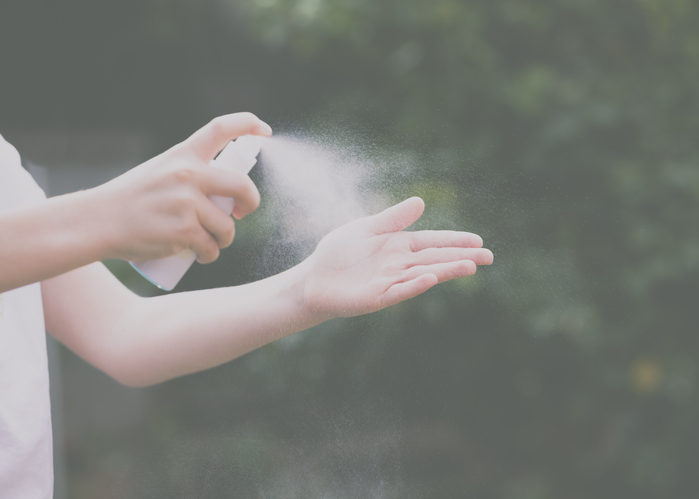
156	209
160	208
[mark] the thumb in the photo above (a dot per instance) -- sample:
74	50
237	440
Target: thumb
397	217
209	140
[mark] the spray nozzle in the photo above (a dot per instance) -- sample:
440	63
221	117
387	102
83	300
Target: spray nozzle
240	154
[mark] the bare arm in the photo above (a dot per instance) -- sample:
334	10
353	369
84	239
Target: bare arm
359	268
141	341
154	210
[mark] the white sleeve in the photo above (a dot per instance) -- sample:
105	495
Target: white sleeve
17	187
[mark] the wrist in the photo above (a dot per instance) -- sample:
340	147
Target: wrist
105	219
92	226
295	288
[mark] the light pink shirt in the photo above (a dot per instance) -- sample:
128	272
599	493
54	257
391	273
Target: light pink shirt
26	457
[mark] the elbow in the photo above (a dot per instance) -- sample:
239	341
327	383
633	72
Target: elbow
130	380
126	357
125	375
129	367
134	374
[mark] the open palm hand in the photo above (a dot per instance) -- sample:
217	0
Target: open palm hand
372	263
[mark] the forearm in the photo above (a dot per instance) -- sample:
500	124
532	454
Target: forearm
155	210
169	336
50	238
361	267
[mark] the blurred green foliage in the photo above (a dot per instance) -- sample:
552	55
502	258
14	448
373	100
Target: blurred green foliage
563	131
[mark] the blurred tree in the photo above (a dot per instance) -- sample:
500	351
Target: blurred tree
585	116
562	131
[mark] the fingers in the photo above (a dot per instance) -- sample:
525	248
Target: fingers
479	256
209	140
443	271
217	223
433	266
409	289
236	185
211	230
444	238
397	217
205	246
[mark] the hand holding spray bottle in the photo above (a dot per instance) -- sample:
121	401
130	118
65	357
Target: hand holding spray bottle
240	155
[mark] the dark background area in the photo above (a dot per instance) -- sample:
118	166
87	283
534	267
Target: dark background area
564	132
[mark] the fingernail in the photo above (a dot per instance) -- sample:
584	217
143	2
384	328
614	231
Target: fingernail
266	128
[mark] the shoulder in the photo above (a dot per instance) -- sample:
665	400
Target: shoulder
17	187
8	154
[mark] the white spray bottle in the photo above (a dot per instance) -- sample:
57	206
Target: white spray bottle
240	155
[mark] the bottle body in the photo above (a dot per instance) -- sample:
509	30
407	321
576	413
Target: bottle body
166	272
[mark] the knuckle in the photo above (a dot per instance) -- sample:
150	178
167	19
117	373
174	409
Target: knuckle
221	126
228	234
185	175
250	193
247	116
186	201
184	237
210	252
179	239
217	125
178	149
189	227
